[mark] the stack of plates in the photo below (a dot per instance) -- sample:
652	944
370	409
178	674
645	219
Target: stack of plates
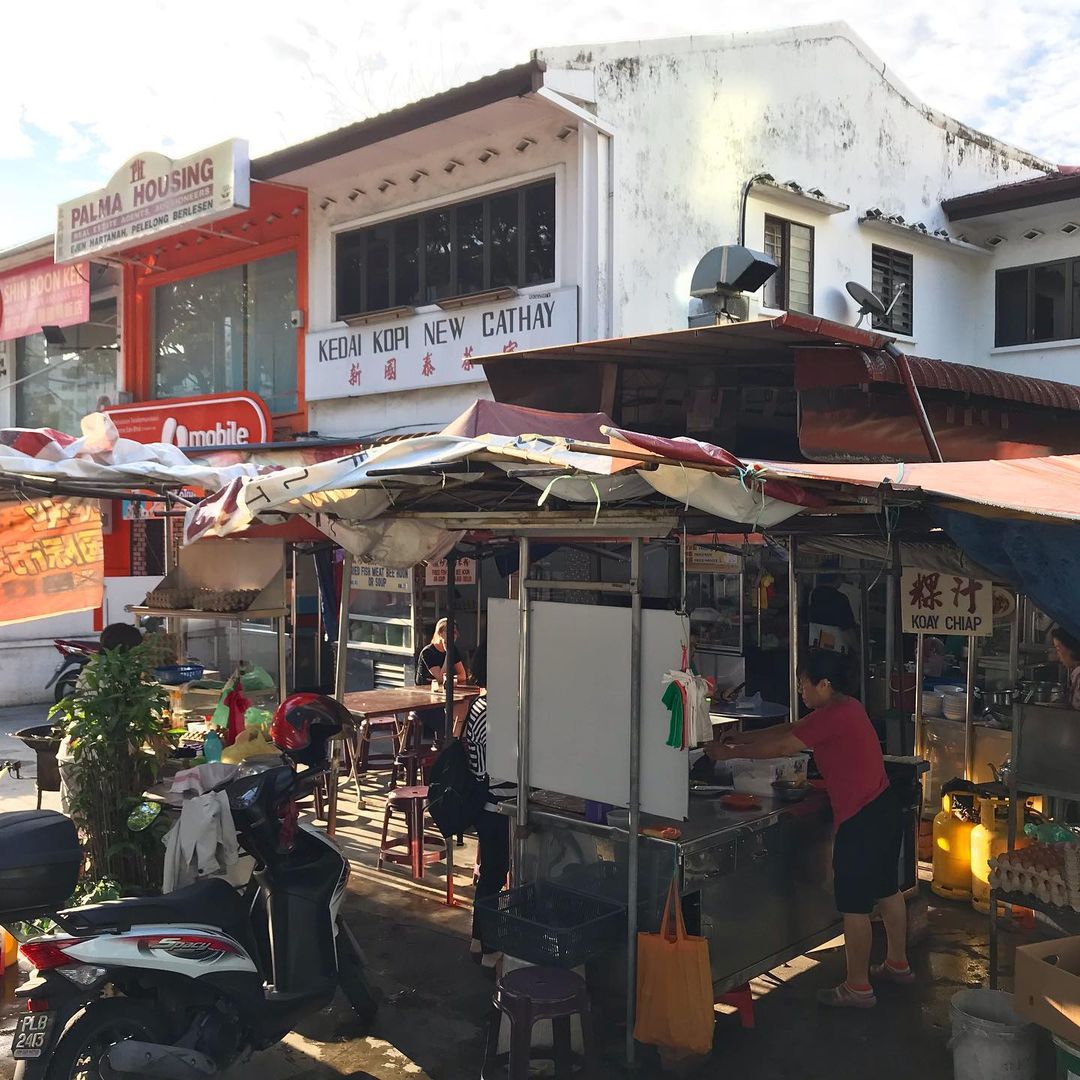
931	703
955	706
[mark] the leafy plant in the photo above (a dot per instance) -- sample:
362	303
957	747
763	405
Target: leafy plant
87	892
114	714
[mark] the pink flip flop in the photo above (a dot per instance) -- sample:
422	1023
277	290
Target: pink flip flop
843	997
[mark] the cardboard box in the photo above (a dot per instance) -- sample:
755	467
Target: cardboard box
1047	986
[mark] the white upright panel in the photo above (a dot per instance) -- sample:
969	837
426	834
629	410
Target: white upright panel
665	773
579	703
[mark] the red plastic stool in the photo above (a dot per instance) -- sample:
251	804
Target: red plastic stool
369	726
422	848
740	998
414	766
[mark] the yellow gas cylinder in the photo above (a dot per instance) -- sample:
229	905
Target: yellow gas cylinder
9	950
988	840
952	847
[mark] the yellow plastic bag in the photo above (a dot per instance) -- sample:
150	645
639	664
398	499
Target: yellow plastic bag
674	985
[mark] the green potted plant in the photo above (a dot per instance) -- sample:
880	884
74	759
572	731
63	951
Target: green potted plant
114	723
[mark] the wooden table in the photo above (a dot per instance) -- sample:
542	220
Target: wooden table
395	702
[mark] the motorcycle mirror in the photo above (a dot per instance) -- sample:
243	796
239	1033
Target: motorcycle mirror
143	816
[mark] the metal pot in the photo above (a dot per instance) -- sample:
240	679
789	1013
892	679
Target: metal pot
1000	698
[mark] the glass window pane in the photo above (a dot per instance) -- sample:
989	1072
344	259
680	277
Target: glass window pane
1010	326
79	378
800	268
437	255
229	330
198	329
272	340
470	249
773	293
1049	306
504	239
540	234
349	267
407	263
379	239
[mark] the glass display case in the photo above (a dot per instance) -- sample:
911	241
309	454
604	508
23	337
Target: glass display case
381	610
715	599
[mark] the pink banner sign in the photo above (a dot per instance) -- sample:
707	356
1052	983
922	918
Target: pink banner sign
43	295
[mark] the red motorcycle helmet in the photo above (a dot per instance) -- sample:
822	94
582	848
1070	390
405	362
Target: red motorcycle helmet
304	724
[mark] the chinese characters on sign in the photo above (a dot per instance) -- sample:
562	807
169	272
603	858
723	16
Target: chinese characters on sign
51	559
434	349
43	295
380	578
938	602
464	572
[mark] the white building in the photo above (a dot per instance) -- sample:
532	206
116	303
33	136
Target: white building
799	141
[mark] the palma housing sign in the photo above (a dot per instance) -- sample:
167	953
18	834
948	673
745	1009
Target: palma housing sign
151	195
436	348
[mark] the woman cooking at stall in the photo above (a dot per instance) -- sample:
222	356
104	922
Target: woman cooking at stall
1067	647
866	814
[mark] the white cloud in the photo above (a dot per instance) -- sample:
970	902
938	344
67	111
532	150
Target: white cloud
156	75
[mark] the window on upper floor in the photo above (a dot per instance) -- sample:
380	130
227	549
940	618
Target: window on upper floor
507	238
891	269
791	246
1037	303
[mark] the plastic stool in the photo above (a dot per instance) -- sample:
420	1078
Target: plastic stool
422	847
527	996
369	726
740	998
414	766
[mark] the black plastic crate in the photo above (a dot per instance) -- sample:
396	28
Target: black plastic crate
550	925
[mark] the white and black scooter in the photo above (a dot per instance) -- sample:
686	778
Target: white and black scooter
184	985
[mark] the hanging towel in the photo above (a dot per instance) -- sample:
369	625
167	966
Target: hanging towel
686	696
202	843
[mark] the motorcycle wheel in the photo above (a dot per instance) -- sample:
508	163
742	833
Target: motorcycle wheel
86	1040
65	685
353	980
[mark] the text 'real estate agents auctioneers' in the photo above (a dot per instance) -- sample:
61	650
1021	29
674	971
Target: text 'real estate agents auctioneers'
152	195
434	348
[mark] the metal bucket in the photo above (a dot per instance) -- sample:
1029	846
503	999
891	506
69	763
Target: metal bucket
990	1041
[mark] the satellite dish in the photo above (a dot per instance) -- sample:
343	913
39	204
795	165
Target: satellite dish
868	303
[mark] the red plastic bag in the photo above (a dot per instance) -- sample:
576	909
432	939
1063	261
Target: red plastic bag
238	705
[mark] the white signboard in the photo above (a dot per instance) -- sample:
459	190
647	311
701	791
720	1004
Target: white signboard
944	604
464	572
436	349
380	578
151	195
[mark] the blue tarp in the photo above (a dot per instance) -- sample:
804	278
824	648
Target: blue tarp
1038	559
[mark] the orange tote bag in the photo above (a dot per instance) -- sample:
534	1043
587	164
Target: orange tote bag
674	985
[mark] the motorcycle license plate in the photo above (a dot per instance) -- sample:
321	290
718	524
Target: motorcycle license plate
33	1033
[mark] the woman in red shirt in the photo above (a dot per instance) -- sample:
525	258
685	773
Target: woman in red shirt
866	851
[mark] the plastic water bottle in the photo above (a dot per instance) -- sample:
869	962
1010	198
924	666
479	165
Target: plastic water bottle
213	747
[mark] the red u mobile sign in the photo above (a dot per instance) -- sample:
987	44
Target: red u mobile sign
212	420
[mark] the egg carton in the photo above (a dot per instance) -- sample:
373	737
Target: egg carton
1048	886
170	599
225	601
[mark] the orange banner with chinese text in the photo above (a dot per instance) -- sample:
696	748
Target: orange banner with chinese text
52	560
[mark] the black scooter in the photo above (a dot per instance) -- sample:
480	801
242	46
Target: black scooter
184	985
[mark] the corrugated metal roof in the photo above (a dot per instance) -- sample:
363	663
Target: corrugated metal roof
1038	191
850	367
510	82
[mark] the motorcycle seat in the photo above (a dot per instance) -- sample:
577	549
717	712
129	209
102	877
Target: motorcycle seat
210	902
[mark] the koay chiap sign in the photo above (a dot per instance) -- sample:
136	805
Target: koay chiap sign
943	603
434	349
151	195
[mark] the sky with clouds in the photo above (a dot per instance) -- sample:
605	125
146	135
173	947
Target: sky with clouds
86	87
